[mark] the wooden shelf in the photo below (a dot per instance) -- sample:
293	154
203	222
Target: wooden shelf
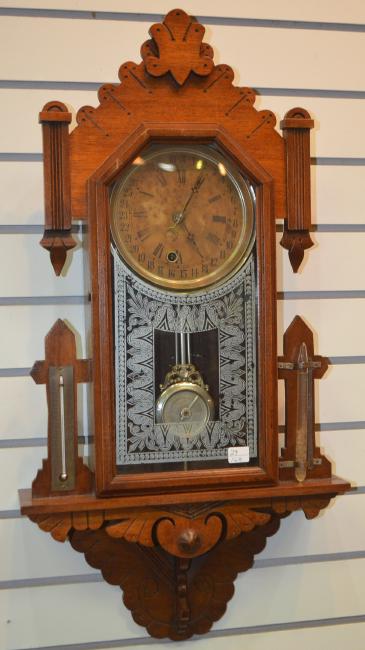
86	502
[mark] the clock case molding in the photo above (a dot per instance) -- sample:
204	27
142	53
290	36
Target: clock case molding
174	542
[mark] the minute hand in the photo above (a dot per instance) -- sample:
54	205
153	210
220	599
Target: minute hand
198	183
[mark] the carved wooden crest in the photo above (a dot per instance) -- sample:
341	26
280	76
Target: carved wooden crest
177	47
176	77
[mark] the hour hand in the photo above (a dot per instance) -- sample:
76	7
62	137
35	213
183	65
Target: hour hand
191	239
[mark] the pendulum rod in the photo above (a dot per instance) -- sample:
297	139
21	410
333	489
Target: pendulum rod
182	348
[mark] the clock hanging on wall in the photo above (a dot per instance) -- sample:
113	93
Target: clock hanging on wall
179	180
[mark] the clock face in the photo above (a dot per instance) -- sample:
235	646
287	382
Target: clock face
182	217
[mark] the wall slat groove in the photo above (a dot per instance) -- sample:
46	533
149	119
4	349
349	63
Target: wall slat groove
213	634
11	443
20	157
7	301
43	300
51	581
35	229
32	229
208	20
331	161
38	84
345	360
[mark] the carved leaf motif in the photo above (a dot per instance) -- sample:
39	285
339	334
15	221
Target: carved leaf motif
137	530
311	506
180	48
58	525
186	537
239	520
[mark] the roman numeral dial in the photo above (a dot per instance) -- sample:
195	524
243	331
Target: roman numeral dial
182	217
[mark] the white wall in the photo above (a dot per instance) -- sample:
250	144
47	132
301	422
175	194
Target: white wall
308	586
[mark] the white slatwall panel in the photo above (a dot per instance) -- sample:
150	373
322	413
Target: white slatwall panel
338	325
66	49
27	553
259	599
22	331
21	190
347	451
29	272
15	423
337	192
343	636
326	266
327	10
293	55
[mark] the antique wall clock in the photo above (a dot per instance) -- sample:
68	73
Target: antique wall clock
179	180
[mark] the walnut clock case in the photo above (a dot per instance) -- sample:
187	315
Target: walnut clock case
179	180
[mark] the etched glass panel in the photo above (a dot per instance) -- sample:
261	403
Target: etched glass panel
220	327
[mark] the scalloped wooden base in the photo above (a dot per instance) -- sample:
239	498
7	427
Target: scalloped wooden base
173	597
176	564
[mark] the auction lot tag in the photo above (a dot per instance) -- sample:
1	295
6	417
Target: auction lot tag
238	454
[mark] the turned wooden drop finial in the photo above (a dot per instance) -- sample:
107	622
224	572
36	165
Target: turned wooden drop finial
189	541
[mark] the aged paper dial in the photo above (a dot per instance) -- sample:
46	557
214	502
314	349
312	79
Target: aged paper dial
181	217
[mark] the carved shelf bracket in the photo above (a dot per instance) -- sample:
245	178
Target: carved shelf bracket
171	584
63	470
